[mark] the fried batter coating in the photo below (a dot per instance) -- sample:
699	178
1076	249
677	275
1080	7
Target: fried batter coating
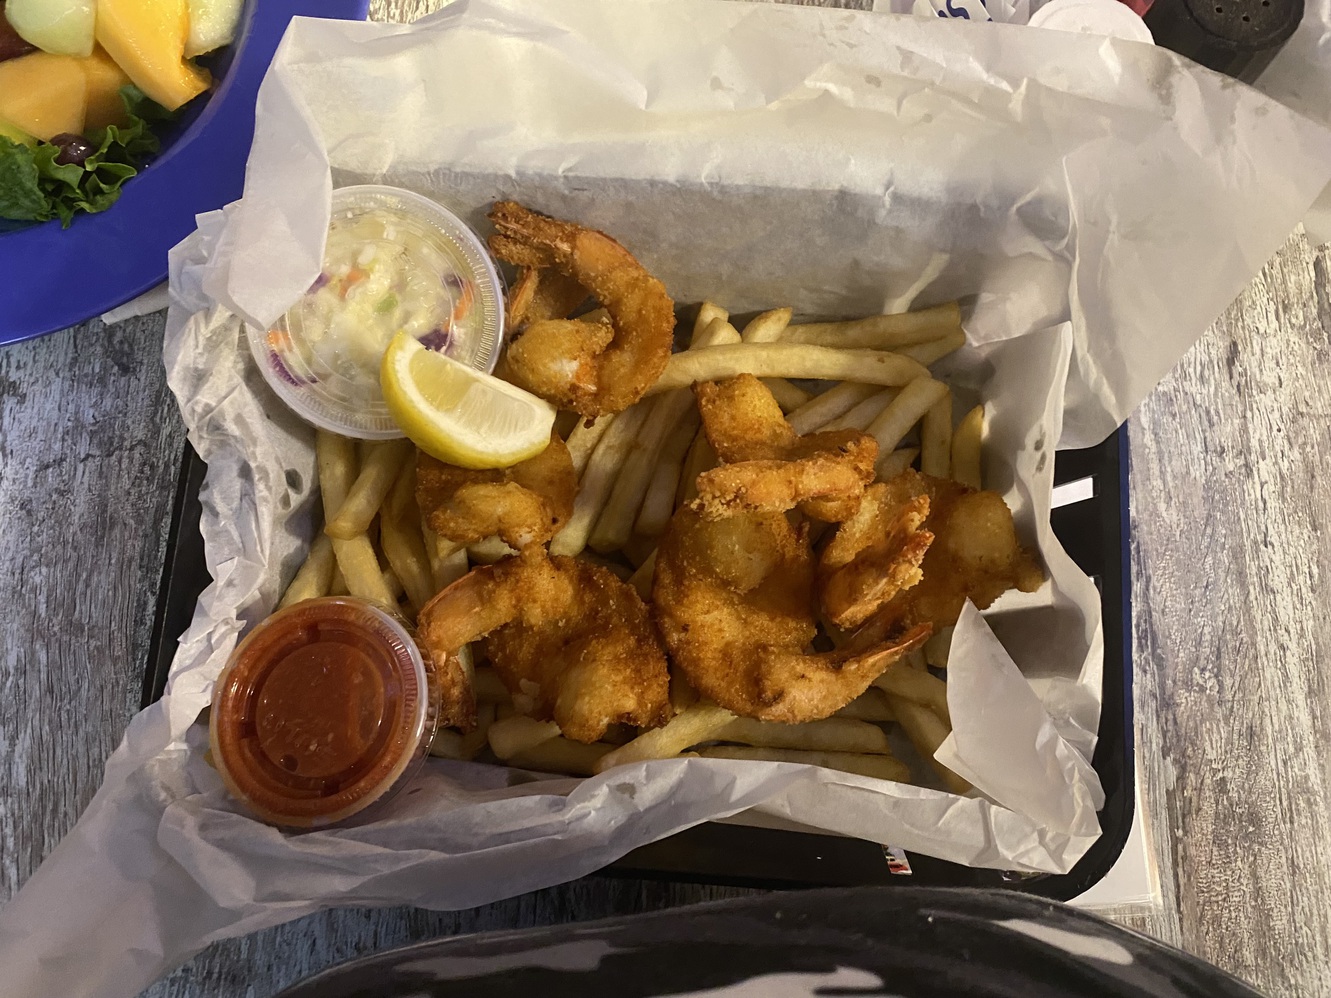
576	364
734	599
768	467
975	555
526	504
570	637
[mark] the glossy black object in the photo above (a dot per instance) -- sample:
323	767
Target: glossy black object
915	943
1094	533
1236	37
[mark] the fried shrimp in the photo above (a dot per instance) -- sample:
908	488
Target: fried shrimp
734	599
768	466
874	555
584	366
570	640
975	554
525	504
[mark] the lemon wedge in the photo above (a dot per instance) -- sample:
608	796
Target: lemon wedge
459	414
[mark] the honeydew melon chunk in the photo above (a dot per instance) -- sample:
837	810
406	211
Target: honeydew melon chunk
43	94
147	39
212	24
15	134
61	27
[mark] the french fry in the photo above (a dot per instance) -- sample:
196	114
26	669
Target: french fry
788	396
907	409
767	327
787	360
831	404
336	458
871	705
584	438
882	767
393	584
447	744
449	562
315	576
893	464
489	551
938	648
935	350
865	413
659	502
707	311
966	443
598	480
560	755
512	735
697	724
701	457
338	587
479	737
831	734
936	438
641	580
488	686
926	731
377	475
361	571
880	332
404	550
918	686
718	332
682	694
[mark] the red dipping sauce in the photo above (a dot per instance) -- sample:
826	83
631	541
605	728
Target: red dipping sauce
323	710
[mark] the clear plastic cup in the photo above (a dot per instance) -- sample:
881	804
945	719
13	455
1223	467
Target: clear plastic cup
324	709
394	260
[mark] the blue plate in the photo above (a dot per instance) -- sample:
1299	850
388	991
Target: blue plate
51	278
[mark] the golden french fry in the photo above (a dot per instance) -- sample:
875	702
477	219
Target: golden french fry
682	694
907	409
707	311
879	766
767	327
832	404
361	571
377	475
831	734
880	332
860	417
584	438
488	686
404	550
447	744
893	464
598	480
787	360
641	580
448	560
336	458
918	686
393	584
488	551
966	442
659	502
935	350
315	576
938	647
716	333
512	735
700	458
697	724
788	396
936	438
926	731
871	705
560	755
338	587
478	738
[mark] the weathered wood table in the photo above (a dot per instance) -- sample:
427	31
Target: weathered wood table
1231	488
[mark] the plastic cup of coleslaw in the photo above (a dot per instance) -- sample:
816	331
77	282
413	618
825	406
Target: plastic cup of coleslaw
393	261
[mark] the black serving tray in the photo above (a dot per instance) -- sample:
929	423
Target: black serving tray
1094	533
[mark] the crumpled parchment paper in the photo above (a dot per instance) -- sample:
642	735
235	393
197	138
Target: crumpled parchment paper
1095	203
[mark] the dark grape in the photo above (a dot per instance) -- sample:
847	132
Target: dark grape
74	149
11	45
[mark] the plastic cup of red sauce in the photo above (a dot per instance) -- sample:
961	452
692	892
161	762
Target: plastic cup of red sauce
324	709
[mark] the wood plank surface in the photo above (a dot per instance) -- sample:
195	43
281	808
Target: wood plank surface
1229	496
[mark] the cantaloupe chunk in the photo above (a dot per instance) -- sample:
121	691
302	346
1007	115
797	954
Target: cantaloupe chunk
44	94
105	79
147	39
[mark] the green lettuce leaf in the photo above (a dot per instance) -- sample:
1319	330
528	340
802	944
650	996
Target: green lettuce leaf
35	188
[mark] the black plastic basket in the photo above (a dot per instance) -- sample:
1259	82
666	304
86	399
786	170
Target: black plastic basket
1094	533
